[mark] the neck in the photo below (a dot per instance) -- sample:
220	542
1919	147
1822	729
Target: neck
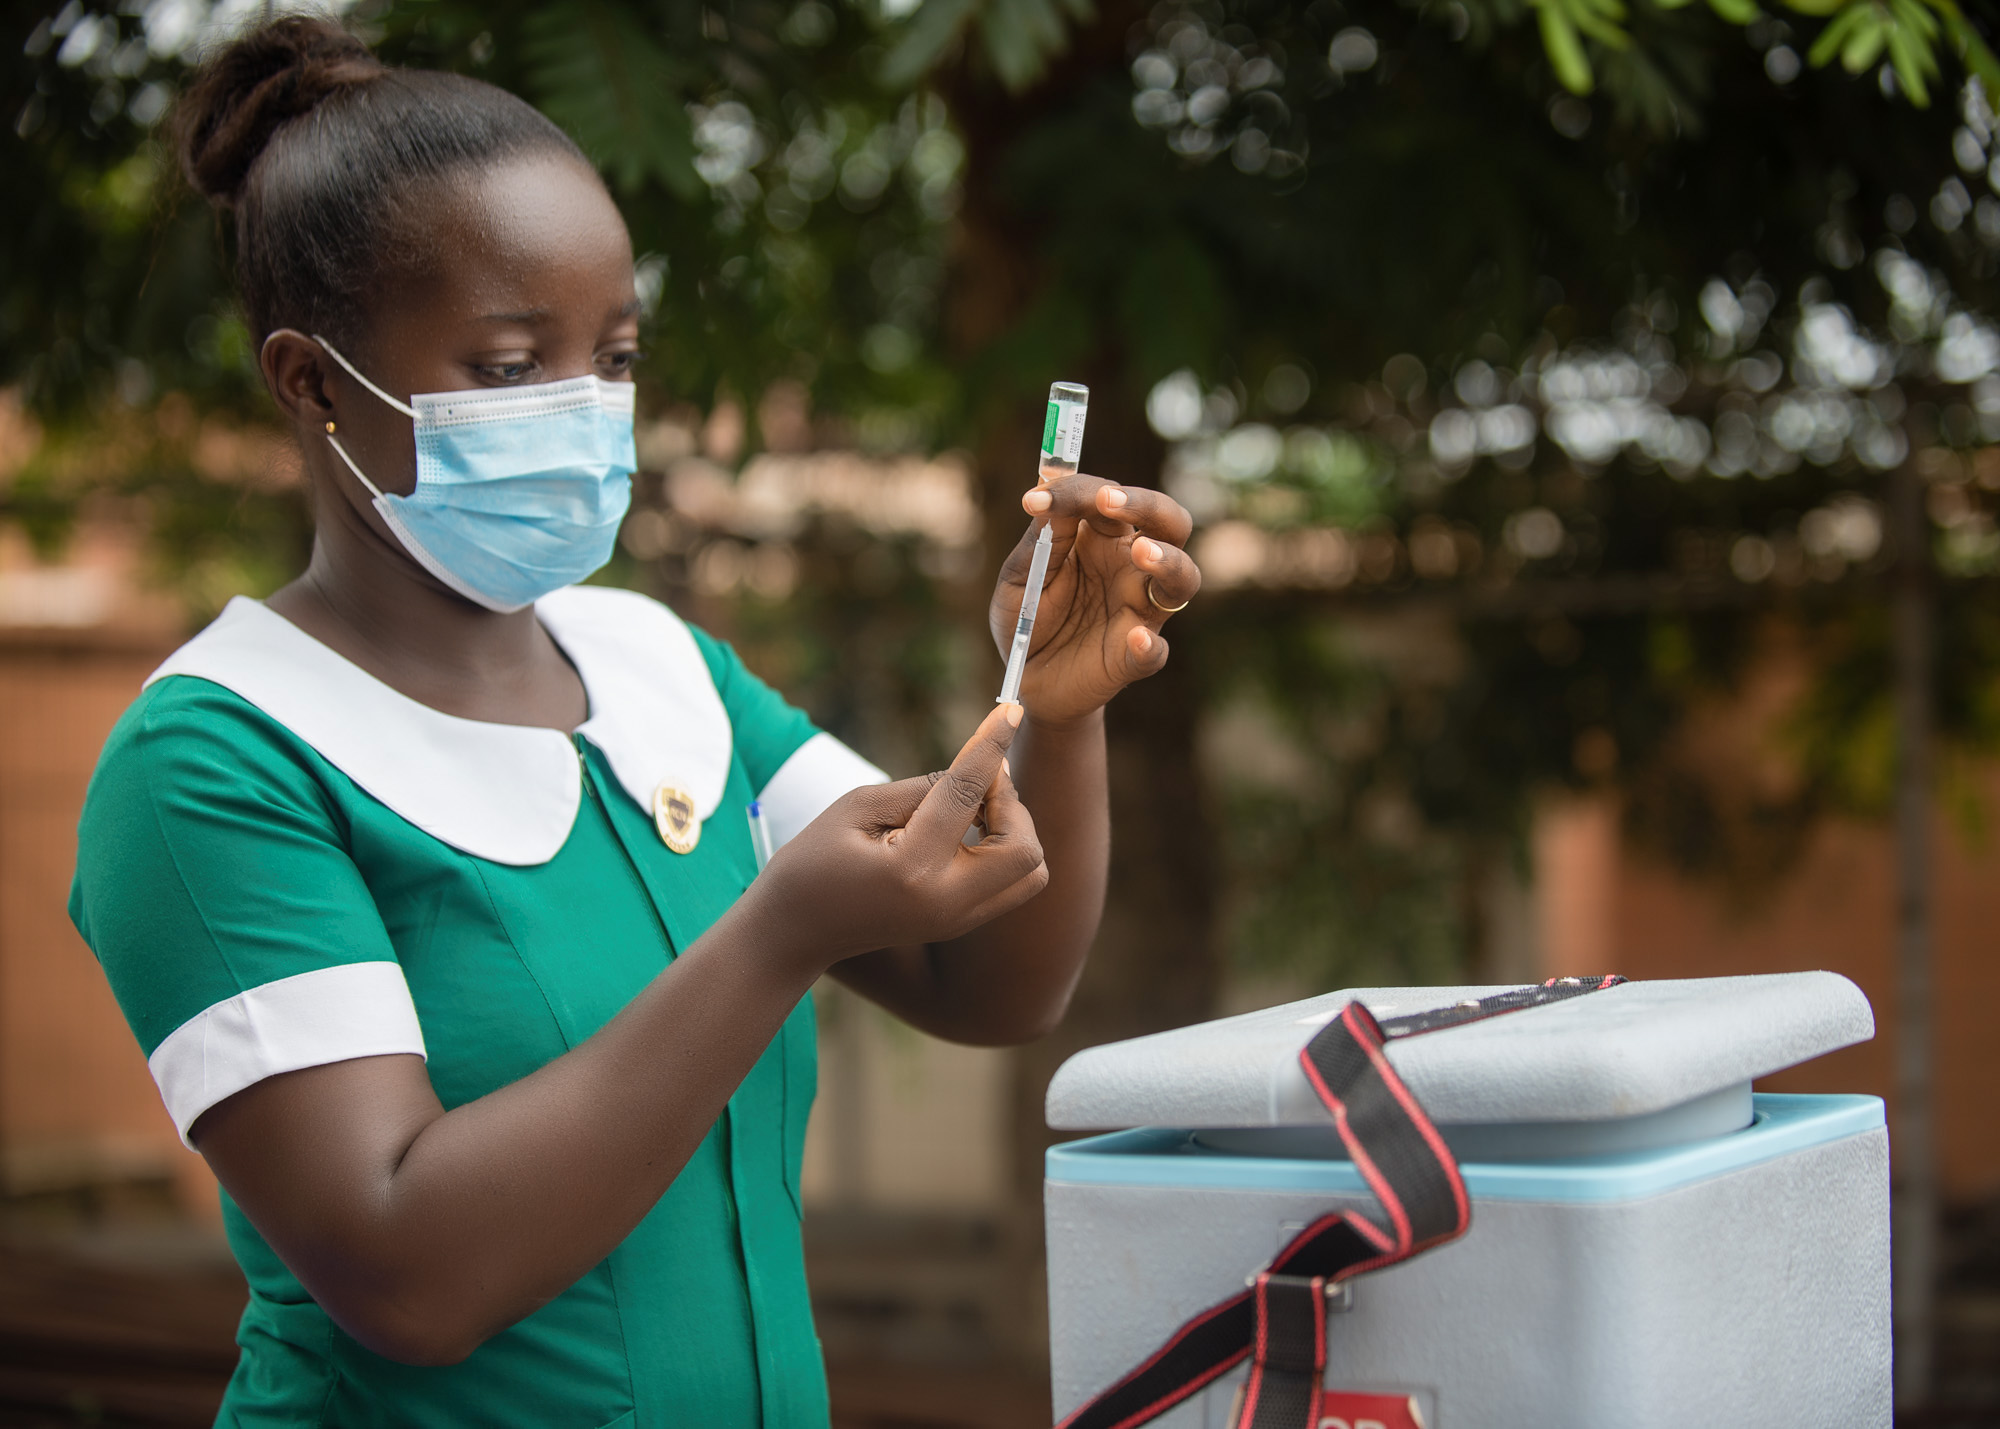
402	614
363	596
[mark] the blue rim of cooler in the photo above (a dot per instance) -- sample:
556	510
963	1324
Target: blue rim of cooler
1782	1124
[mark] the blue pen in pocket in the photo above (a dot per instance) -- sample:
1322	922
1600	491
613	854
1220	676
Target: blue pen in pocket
760	835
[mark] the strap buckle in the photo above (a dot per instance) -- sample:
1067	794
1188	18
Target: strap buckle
1339	1293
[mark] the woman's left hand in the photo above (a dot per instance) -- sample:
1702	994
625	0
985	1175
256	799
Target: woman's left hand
1098	628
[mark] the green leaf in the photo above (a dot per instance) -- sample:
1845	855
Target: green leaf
1595	19
1865	44
1011	52
1019	37
1565	49
1736	12
933	27
598	72
1823	7
1973	50
1910	62
1836	34
1036	19
1916	18
1645	98
1010	45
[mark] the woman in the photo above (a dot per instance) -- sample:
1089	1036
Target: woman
427	885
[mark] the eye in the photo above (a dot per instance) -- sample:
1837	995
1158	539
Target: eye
506	373
616	365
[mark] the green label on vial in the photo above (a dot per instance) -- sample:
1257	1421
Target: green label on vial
1049	430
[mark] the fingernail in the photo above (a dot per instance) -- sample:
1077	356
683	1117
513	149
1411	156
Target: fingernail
1014	713
1146	550
1007	769
1114	498
1145	640
1037	502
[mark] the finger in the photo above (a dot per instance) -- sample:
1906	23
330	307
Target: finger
1014	570
1009	826
1145	651
946	812
876	808
1071	500
1150	513
1009	898
1174	575
1010	852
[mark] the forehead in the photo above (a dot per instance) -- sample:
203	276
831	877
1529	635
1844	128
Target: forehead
536	232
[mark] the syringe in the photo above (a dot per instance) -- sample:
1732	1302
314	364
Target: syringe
1024	627
1062	446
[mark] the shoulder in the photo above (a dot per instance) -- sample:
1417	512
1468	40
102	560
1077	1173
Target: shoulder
184	729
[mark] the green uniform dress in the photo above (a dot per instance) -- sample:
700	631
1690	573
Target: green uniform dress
283	863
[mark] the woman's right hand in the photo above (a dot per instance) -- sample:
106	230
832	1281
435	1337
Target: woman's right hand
888	865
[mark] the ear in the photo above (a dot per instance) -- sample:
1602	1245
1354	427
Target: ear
295	369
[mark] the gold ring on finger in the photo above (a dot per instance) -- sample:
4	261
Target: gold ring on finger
1154	600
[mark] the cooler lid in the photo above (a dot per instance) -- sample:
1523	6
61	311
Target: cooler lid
1629	1050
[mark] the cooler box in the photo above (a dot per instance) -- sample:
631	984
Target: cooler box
1652	1244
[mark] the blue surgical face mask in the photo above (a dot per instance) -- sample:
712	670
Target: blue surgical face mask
520	490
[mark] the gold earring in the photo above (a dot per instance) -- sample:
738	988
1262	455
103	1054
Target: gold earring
329	429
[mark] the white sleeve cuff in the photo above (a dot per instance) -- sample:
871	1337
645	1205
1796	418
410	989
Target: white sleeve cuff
329	1015
819	771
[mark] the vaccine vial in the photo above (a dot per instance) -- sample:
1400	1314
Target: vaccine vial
1062	429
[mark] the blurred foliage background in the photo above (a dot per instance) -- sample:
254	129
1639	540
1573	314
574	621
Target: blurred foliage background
1585	336
1535	372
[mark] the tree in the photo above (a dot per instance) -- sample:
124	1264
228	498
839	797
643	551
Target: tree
1588	342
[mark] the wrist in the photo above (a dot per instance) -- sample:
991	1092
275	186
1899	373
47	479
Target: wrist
1085	726
775	938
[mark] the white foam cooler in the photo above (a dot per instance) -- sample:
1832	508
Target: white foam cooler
1651	1244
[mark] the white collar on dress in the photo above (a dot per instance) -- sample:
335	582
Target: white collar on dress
507	793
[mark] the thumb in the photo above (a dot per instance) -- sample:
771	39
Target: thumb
947	811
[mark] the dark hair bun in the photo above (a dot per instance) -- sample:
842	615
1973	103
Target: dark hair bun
242	94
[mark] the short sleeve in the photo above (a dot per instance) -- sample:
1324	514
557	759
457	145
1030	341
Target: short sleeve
214	885
796	769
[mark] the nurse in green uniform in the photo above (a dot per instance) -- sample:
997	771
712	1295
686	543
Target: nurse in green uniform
427	884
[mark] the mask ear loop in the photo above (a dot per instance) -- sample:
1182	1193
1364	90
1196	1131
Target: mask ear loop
332	440
360	476
331	351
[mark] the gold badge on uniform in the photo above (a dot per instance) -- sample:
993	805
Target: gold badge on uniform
673	816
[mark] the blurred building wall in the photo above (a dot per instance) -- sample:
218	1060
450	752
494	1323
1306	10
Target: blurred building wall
78	1110
903	1121
1605	908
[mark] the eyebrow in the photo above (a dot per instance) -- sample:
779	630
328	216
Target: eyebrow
534	315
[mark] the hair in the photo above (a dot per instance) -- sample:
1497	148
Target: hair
315	147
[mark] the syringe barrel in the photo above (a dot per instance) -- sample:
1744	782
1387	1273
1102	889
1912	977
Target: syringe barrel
1017	661
1024	623
1062	428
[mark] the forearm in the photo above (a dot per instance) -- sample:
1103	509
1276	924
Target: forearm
1010	980
473	1218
